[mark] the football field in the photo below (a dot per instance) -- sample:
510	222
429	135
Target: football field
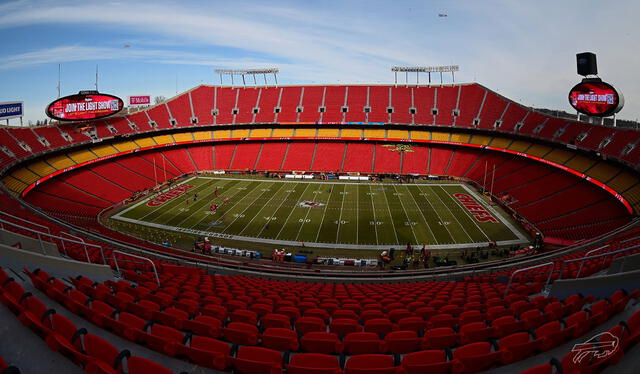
327	214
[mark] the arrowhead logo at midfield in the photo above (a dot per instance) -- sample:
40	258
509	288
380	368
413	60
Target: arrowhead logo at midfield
309	204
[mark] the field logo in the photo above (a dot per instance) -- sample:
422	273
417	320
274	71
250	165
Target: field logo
172	194
309	204
477	210
600	346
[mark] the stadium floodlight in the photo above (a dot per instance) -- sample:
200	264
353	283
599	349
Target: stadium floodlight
243	72
425	69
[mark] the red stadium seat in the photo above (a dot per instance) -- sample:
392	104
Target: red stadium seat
370	364
209	352
139	365
321	342
280	339
314	363
507	325
343	326
380	326
519	345
478	356
203	325
257	360
275	320
357	343
551	334
476	332
163	338
439	338
430	361
241	333
401	342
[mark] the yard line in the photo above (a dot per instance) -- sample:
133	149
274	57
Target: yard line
245	209
307	215
439	218
324	213
278	208
206	215
469	215
406	214
290	213
395	232
261	208
340	216
435	240
455	217
375	221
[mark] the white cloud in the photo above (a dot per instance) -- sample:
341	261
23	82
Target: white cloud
523	49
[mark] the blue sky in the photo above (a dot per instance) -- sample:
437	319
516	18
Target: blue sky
525	50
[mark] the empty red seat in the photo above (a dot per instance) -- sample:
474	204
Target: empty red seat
104	356
380	326
416	324
257	360
12	291
317	312
76	302
478	356
577	324
244	315
370	364
203	325
241	333
551	334
471	316
554	367
280	338
401	342
216	311
600	311
476	332
163	338
429	361
33	313
507	325
532	318
143	308
209	352
343	326
173	317
619	300
396	315
357	343
62	333
128	326
439	338
519	345
321	342
275	320
368	314
100	313
442	320
313	363
139	365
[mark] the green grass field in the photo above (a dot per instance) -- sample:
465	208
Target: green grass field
326	214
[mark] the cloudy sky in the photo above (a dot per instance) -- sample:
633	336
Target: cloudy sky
525	50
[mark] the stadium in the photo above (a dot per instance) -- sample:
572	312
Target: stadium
320	228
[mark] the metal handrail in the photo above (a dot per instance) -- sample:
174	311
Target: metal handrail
41	241
84	244
113	253
553	266
587	255
24	220
594	256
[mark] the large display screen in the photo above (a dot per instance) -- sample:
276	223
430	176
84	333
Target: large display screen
83	107
595	98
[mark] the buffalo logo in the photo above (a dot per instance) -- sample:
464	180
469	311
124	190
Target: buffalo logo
600	345
309	204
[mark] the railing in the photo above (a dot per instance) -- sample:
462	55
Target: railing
603	255
41	241
553	266
84	245
153	266
45	228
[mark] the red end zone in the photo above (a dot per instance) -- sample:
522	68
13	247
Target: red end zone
473	207
175	192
